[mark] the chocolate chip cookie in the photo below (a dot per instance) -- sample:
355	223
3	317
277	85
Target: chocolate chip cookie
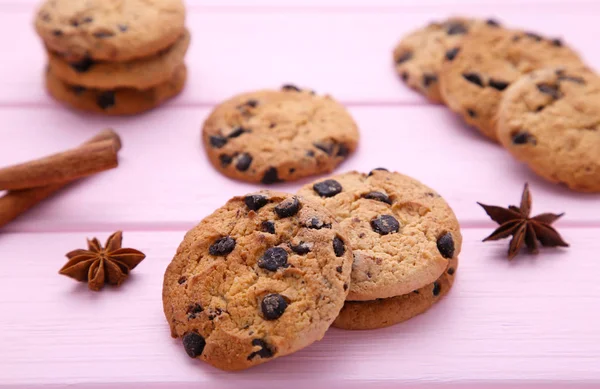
419	56
109	30
550	119
380	313
121	101
263	276
139	74
272	136
473	80
402	233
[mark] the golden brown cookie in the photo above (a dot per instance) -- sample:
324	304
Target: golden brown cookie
419	56
402	233
271	136
122	101
550	119
370	315
263	276
485	64
109	30
139	74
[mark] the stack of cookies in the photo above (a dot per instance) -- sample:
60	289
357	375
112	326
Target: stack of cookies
114	57
532	94
268	273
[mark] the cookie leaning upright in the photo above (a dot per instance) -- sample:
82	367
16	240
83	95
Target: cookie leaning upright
472	81
278	135
263	276
550	119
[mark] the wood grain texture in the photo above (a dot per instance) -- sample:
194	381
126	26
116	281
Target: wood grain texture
531	320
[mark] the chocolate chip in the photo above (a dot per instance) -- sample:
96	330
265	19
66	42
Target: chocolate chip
300	249
343	151
577	80
74	23
378	196
288	207
404	76
339	248
557	42
471	113
534	36
445	245
270	176
551	90
523	137
273	306
264	352
492	23
452	53
106	99
345	286
57	32
339	269
268	226
326	148
104	34
310	153
194	310
87	20
405	56
428	79
255	202
252	103
327	188
273	259
182	280
540	108
217	141
451	271
385	224
316	224
83	65
243	162
456	28
78	90
292	170
437	288
237	132
290	87
123	27
225	160
498	84
194	344
382	169
222	246
473	78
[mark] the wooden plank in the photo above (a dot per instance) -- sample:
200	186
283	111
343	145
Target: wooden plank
532	320
268	47
165	181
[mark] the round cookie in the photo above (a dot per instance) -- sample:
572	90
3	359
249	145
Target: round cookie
419	56
485	64
271	136
370	315
263	276
122	101
139	74
401	232
550	119
110	30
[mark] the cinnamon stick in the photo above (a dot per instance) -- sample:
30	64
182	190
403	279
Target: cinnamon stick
66	166
15	203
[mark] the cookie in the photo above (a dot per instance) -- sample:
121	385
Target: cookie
370	315
139	74
256	280
271	136
473	80
109	30
402	233
419	56
122	101
550	119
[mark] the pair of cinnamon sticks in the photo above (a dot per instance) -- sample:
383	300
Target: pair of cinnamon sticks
31	182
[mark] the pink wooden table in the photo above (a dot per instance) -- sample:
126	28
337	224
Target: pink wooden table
532	322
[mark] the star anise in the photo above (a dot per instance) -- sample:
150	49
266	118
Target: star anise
515	221
99	265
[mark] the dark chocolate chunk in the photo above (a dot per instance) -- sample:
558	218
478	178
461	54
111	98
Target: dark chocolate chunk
252	103
290	87
300	249
378	196
243	162
385	224
498	84
404	76
471	113
326	148
473	78
83	65
534	36
578	80
451	271
345	286
237	132
339	269
57	32
437	288
405	56
327	188
217	141
492	23
194	310
339	248
549	89
316	224
523	137
264	352
273	306
225	160
343	151
222	246
255	201
557	42
271	176
78	90
288	207
377	169
106	99
104	34
273	259
456	28
194	344
182	280
310	153
445	245
428	79
74	23
452	53
267	226
123	27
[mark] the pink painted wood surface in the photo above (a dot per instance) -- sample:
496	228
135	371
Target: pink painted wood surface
531	322
527	321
